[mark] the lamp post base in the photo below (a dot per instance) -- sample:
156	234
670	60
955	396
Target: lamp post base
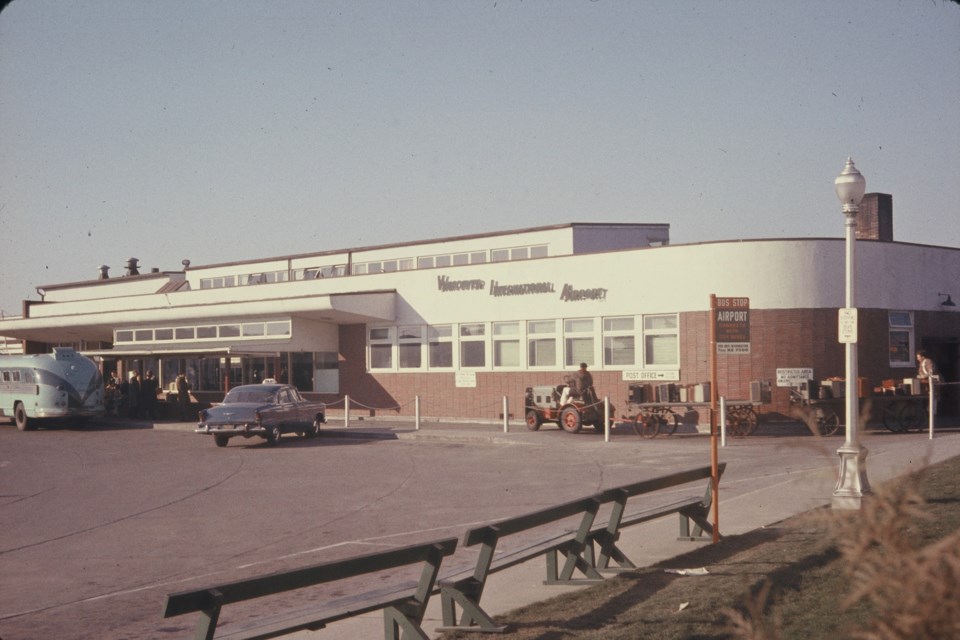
852	485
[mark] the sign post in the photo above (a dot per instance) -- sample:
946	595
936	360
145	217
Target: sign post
729	334
714	453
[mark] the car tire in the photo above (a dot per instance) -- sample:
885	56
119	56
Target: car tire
274	435
221	441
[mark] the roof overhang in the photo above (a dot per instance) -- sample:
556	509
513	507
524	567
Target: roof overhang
98	326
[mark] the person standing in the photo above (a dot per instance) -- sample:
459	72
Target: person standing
580	385
183	397
148	397
926	368
928	374
583	383
133	395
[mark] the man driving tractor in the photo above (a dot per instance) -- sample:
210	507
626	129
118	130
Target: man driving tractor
580	385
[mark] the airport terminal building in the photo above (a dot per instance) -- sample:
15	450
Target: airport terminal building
462	322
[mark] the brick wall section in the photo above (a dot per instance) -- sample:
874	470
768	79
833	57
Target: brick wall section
779	339
875	218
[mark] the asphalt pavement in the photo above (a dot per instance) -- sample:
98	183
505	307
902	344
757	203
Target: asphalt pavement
746	504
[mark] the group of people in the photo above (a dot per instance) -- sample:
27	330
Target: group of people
137	398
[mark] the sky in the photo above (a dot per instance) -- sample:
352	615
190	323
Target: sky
230	130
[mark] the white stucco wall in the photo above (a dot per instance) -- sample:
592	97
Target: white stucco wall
779	274
774	274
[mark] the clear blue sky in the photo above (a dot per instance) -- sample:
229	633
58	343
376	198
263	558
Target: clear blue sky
222	130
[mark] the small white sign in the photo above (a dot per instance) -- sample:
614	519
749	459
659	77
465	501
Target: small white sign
733	348
847	329
793	377
638	376
466	378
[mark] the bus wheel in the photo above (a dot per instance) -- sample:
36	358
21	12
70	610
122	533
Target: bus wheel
20	417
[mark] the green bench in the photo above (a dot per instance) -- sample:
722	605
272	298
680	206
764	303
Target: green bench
585	551
403	604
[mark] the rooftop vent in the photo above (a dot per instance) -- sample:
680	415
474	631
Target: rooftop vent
133	267
104	275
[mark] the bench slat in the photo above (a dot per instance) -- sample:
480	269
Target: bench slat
527	521
201	599
306	618
403	604
663	482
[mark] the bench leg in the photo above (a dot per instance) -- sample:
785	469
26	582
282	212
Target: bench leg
573	562
395	622
209	616
609	550
473	618
703	526
614	553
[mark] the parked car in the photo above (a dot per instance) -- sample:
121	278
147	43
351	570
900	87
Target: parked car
264	410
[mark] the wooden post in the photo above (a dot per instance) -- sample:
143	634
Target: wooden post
714	454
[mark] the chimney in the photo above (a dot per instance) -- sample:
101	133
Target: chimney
875	218
103	272
132	269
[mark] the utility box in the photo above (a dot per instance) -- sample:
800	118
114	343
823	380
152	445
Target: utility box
760	391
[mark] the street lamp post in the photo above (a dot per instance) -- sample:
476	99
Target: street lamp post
852	483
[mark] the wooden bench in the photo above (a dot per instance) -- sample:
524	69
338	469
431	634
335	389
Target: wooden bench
577	547
403	605
691	509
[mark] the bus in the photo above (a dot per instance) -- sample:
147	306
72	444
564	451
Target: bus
62	384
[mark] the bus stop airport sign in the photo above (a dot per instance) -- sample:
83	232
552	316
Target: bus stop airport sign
732	322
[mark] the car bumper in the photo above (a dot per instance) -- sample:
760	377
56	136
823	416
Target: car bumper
231	430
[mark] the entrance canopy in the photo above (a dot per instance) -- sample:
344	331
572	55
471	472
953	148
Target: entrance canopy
95	321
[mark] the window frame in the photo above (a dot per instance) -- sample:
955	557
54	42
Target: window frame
470	340
376	344
573	334
655	332
909	330
612	334
515	338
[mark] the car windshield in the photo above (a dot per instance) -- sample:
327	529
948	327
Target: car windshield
249	395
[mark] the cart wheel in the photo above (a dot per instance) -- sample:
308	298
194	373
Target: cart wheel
647	426
733	425
669	424
533	420
570	420
829	423
890	420
749	421
911	416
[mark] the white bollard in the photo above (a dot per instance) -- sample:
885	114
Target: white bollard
931	405
346	411
506	415
606	418
723	421
416	412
